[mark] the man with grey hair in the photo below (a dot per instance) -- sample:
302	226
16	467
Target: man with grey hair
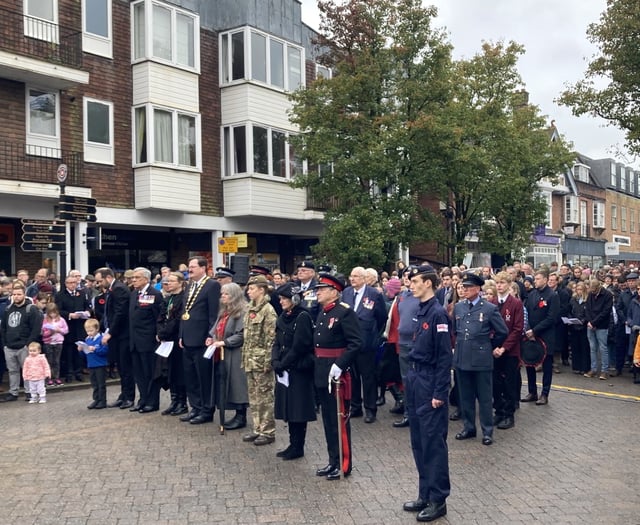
145	305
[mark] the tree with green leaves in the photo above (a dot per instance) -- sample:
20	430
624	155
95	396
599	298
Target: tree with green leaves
369	132
616	67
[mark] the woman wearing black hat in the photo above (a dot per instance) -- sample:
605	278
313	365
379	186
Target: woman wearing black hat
292	359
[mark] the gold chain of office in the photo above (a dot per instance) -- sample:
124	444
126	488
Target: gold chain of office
192	298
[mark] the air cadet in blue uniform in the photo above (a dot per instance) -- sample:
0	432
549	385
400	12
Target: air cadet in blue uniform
479	329
427	391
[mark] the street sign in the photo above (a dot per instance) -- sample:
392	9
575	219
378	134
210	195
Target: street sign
227	244
43	237
81	201
78	209
61	173
611	248
43	247
77	217
49	227
242	240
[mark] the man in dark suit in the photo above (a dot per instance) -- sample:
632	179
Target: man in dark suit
443	294
202	298
306	273
74	307
369	306
506	364
115	324
479	331
145	305
543	309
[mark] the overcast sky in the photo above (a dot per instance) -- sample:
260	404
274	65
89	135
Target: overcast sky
553	33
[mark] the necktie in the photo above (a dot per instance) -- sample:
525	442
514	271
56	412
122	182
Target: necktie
501	304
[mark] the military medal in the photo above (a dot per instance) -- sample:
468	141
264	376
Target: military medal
185	316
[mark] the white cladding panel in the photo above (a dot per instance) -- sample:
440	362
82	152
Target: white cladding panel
262	197
250	102
159	188
165	86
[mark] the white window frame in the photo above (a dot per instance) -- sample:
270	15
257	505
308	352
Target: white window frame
548	198
150	138
319	68
614	176
100	45
148	35
583	218
96	151
599	215
614	217
226	62
623	178
571	209
632	220
37	143
632	182
623	219
228	168
41	28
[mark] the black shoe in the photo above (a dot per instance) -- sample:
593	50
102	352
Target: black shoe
148	408
136	408
455	416
264	440
8	398
189	416
250	437
236	423
325	470
284	452
167	411
116	404
415	506
179	410
398	408
294	453
335	474
487	440
100	406
200	419
465	434
432	511
79	378
496	420
370	416
126	404
404	422
92	405
27	397
529	398
380	401
356	412
507	422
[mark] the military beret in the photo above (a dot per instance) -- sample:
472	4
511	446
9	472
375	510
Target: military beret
419	270
288	290
471	279
632	275
221	271
259	270
306	264
324	268
326	279
259	280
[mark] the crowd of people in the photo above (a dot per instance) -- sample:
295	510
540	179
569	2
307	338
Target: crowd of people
290	346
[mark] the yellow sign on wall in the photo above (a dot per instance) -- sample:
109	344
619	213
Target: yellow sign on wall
227	244
242	240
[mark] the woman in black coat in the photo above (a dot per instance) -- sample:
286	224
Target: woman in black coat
580	358
292	359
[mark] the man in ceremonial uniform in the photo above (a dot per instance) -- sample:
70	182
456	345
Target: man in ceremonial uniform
224	275
426	392
336	344
198	318
306	280
479	330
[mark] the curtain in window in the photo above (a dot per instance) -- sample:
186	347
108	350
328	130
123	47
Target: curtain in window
163	139
186	140
141	135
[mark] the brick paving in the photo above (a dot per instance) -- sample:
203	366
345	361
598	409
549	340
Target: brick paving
573	461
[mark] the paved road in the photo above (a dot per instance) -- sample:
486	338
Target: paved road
576	460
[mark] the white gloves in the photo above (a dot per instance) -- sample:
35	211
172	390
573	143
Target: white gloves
335	372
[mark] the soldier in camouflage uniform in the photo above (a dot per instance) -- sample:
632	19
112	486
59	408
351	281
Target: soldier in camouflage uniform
259	334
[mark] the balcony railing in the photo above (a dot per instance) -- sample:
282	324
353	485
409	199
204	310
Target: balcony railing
17	162
316	204
38	38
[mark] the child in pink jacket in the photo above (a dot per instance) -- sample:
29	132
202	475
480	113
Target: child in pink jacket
54	328
35	370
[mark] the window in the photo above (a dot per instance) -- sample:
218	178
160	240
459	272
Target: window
547	198
598	215
41	19
623	178
43	122
98	131
583	218
270	152
322	71
632	182
614	177
270	60
166	136
96	27
571	209
614	217
581	172
165	33
623	219
632	220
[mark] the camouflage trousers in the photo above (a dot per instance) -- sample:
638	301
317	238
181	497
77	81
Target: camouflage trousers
261	385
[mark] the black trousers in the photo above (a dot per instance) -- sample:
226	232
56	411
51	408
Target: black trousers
143	367
429	428
329	410
364	382
476	385
98	377
120	346
547	373
506	387
198	378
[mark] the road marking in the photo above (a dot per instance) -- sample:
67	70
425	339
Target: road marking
573	390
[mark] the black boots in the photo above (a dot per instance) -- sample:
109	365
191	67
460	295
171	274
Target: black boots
172	406
297	436
399	398
181	404
381	400
238	421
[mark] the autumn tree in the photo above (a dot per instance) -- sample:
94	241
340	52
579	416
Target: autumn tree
610	88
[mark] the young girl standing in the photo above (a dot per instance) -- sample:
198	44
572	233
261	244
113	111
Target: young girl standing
54	329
